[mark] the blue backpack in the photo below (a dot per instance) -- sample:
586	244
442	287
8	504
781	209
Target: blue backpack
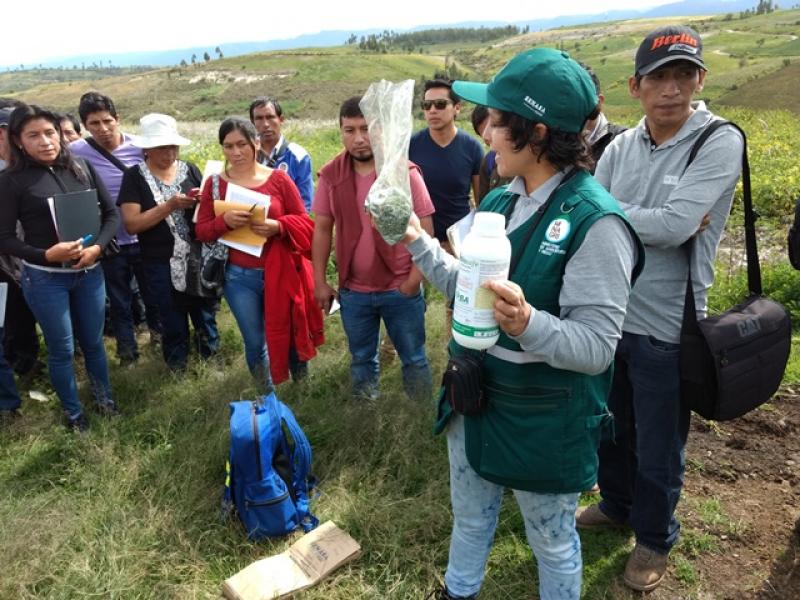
268	479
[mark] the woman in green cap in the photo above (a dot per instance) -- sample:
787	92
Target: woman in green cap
574	258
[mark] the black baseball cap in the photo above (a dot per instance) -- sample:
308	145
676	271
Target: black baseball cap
669	44
5	115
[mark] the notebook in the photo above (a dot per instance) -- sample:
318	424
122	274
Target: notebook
75	215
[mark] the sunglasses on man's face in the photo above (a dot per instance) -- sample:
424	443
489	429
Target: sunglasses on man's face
440	104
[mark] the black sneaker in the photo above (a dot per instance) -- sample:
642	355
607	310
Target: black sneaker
108	409
300	371
78	424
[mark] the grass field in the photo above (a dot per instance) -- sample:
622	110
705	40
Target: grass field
747	61
131	511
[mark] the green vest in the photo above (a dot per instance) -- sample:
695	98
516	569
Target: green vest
542	426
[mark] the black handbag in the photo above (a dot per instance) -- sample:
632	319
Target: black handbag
733	362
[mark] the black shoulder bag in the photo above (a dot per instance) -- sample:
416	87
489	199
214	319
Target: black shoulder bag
793	239
733	362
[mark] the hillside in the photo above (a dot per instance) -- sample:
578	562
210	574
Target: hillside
751	63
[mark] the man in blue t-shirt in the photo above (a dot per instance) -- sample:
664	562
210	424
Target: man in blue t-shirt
277	153
450	158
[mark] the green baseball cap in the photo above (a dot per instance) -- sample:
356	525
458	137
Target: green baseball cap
543	85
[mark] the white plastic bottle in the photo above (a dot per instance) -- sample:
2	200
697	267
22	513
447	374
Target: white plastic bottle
485	255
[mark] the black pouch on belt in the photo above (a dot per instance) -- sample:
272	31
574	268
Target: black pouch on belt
463	385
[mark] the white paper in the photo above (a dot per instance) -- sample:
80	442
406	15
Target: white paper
3	297
458	231
237	193
251	250
51	203
213	167
335	306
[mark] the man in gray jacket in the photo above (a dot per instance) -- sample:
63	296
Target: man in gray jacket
645	169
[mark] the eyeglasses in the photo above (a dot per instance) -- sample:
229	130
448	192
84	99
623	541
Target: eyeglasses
440	104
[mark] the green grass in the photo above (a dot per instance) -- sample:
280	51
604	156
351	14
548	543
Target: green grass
314	81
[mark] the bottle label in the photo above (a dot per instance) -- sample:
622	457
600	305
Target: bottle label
473	305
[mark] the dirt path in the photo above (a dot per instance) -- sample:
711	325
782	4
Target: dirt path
743	504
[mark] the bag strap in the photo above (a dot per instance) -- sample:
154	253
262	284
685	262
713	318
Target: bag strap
106	154
300	457
750	216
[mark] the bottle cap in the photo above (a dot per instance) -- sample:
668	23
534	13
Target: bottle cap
489	224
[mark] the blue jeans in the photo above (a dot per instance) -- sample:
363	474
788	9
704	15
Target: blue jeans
404	317
641	471
54	298
244	291
118	271
549	527
175	309
9	396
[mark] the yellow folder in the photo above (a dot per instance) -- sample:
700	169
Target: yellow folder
242	235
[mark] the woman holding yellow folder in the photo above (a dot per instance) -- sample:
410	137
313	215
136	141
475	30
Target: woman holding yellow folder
271	295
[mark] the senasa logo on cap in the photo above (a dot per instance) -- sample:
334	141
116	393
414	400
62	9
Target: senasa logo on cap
683	38
534	105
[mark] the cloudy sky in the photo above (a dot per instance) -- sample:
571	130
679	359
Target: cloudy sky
50	29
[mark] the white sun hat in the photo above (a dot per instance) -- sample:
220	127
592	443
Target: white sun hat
158	130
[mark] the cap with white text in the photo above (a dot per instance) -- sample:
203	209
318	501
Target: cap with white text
669	44
543	85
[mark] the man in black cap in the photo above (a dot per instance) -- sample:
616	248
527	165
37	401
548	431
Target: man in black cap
668	203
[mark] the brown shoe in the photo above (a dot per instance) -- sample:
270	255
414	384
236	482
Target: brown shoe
645	569
591	517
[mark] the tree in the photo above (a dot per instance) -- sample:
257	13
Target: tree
183	63
194	59
218	50
206	56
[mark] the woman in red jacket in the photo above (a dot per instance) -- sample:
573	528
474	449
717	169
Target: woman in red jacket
271	296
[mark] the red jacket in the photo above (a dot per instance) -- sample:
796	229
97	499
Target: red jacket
291	315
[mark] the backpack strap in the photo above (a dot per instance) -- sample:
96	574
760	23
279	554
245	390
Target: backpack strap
300	456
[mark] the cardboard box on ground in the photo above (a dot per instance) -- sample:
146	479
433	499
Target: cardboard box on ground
308	561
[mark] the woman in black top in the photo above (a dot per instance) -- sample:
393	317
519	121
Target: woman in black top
157	200
60	278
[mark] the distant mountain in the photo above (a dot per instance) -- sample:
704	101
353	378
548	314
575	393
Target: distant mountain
338	37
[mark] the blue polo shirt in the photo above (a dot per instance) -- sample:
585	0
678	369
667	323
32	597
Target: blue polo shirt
296	163
448	174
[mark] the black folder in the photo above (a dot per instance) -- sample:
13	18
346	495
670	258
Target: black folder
76	215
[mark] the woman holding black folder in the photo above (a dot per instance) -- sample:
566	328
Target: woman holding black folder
60	280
